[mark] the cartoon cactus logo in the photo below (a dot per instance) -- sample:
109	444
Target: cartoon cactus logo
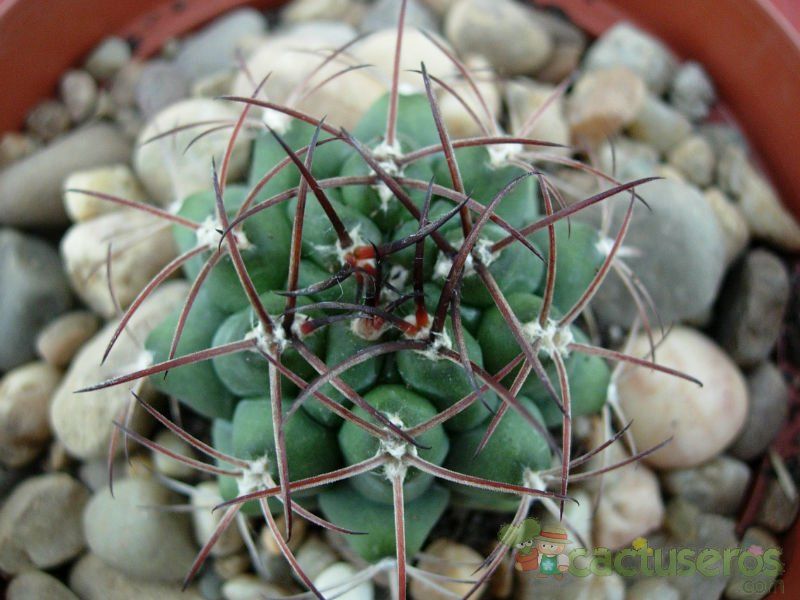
383	323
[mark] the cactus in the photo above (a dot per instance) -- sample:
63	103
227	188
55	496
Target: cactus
382	324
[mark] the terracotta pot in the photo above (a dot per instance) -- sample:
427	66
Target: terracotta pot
750	47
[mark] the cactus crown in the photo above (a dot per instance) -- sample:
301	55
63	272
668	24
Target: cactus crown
384	322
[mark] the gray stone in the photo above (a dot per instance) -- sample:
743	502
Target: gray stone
694	158
40	523
123	86
384	13
625	45
213	47
30	189
778	511
37	585
157	544
769	408
753	302
732	165
79	93
569	43
717	486
93	579
677	251
721	135
692	92
627	159
48	120
486	26
108	58
732	221
652	589
769	220
756	543
14	146
160	84
304	11
34	291
659	125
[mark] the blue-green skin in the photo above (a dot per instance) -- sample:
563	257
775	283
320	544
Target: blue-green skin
406	384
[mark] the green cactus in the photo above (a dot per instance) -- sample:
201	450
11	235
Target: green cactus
362	314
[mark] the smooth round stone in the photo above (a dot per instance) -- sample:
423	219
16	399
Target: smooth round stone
48	120
629	507
36	585
157	544
167	465
114	180
702	421
250	587
384	13
526	97
486	26
659	125
680	254
79	93
757	542
691	91
25	394
731	220
694	158
167	169
61	339
336	580
205	497
652	589
460	123
40	523
449	559
717	486
108	57
768	218
160	84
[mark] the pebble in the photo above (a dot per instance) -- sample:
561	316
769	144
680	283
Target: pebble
659	125
722	135
213	85
603	101
31	189
629	507
37	585
79	93
440	7
93	579
250	587
24	409
60	339
205	497
301	11
299	534
108	58
694	157
123	86
731	168
768	219
314	556
695	530
48	120
607	587
654	588
160	84
83	422
778	511
168	171
769	409
228	567
115	180
525	97
623	45
158	543
169	466
627	159
140	245
754	587
214	47
734	226
34	291
717	486
676	248
336	580
692	91
486	26
753	301
457	119
40	523
14	146
378	50
569	43
702	421
448	559
384	13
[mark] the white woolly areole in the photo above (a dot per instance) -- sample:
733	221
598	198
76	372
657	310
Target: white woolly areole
276	120
554	339
341	253
398	277
254	477
440	340
364	328
605	244
143	359
500	154
387	156
397	449
208	234
532	479
266	342
483	249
